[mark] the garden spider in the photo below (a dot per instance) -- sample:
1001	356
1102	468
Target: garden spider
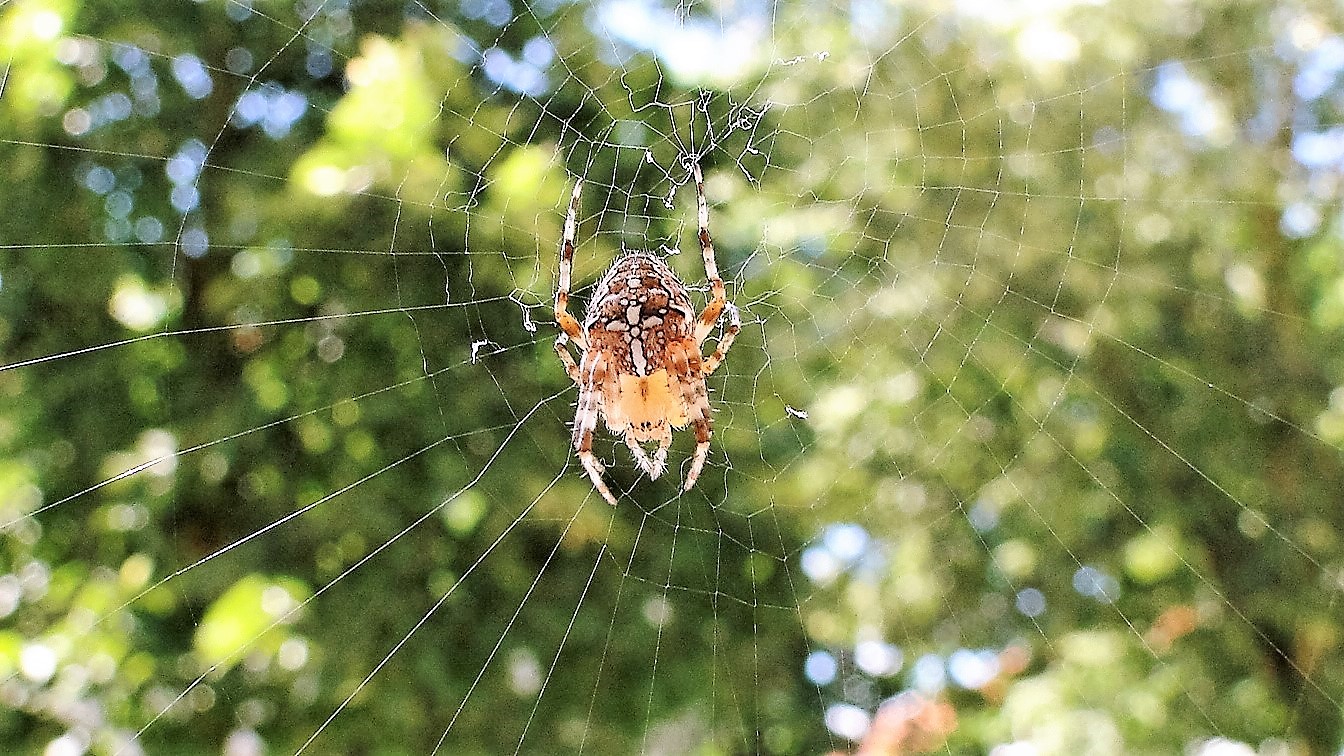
641	368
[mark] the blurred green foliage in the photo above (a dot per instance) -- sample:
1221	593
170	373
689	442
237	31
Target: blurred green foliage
1037	410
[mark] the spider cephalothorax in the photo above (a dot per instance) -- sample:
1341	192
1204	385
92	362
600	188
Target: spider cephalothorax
641	368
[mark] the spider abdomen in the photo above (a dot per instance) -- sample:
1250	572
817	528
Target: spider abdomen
645	406
639	309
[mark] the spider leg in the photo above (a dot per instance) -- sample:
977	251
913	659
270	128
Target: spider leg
566	359
594	468
660	454
718	296
655	466
568	322
695	398
704	430
585	422
713	361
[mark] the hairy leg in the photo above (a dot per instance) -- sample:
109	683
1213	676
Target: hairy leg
585	422
566	359
713	361
718	296
568	322
655	466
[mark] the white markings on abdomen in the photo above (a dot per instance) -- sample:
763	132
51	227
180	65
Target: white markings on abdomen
637	357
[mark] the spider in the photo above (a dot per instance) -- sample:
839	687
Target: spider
640	367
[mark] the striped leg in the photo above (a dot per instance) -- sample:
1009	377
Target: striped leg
655	466
562	351
568	322
704	430
713	361
695	398
718	296
585	422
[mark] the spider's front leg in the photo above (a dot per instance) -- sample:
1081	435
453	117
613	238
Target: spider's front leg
718	295
566	359
568	323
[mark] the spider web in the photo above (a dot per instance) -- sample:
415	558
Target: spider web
1030	442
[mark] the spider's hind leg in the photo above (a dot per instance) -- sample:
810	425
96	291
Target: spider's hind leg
695	404
585	422
702	436
594	468
660	455
654	467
